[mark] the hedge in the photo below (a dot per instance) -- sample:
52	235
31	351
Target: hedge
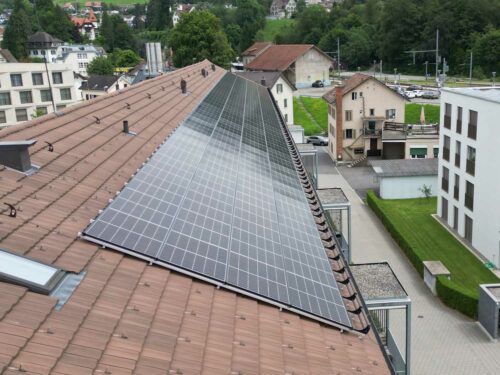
451	294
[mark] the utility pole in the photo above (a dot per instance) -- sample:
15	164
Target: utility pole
338	55
426	67
437	54
470	69
374	68
381	70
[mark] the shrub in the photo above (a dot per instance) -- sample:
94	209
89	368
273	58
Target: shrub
456	298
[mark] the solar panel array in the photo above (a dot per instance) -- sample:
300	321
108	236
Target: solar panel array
221	198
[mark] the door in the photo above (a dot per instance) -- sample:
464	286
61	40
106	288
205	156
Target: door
373	145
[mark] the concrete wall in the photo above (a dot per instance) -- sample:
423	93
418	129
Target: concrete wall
406	187
285	96
485	214
310	67
26	70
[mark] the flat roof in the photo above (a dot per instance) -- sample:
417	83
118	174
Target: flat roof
306	147
487	93
332	196
405	167
495	291
377	281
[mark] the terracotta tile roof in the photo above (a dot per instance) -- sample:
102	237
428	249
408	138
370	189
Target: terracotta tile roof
127	316
256	48
279	57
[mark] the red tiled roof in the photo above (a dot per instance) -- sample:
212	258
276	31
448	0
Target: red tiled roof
256	48
278	57
127	316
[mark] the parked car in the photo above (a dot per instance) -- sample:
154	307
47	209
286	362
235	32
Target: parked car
317	140
410	94
430	95
414	88
418	93
318	83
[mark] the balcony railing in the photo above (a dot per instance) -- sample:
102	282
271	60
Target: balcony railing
447	122
445	184
457	160
472	131
372	132
446	153
469	201
470	167
459	126
456	192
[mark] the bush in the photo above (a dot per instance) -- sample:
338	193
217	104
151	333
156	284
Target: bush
456	298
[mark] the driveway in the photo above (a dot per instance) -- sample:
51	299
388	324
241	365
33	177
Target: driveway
361	179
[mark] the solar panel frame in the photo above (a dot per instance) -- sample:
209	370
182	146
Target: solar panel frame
169	217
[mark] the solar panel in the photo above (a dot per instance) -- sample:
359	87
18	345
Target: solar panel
221	199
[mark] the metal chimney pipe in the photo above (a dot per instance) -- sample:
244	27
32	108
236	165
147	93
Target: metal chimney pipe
213	67
203	72
183	86
125	126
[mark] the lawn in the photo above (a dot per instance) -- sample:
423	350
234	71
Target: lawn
300	118
272	28
430	241
318	108
412	113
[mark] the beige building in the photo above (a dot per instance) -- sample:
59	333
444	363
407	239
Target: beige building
358	111
98	85
25	92
301	64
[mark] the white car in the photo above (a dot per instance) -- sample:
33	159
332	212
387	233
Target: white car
410	94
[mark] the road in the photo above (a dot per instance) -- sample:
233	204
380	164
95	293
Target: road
443	341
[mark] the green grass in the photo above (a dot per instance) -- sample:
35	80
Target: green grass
300	118
411	218
412	113
272	28
318	108
115	2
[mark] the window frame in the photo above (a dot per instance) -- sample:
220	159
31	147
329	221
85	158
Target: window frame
66	90
3	117
12	75
57	74
33	75
41	95
25	111
348	115
27	100
9	96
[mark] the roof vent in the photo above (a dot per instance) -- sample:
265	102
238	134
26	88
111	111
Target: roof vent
203	72
183	86
126	128
213	67
263	81
15	155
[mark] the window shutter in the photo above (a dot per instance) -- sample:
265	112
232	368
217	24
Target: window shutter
354	133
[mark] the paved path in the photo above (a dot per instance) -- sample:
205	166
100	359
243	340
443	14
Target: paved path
443	341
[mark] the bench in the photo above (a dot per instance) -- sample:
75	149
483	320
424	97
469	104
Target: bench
433	269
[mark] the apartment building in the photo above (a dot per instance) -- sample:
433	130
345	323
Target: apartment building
357	112
25	92
468	199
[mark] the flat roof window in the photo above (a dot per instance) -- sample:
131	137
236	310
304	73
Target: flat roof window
36	276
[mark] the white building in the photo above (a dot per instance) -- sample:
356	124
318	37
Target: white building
98	85
78	56
25	91
280	87
282	8
468	198
181	9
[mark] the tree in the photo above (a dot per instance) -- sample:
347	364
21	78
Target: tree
125	58
158	15
426	191
250	17
487	51
100	65
138	23
197	36
115	33
17	31
53	20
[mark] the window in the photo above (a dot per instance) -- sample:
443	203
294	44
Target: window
332	130
458	147
57	77
445	179
36	276
459	120
81	56
279	88
446	148
3	117
26	97
354	95
37	79
418	152
348	115
65	94
53	51
447	115
285	103
45	95
359	151
333	112
35	52
390	114
436	152
349	133
21	114
41	111
372	111
470	166
16	80
469	195
5	98
444	209
455	218
468	228
80	65
472	129
361	94
456	187
286	117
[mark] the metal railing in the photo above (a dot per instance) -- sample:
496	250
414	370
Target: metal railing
472	131
447	121
459	126
470	167
372	132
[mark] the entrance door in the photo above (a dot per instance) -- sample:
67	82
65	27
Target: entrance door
373	145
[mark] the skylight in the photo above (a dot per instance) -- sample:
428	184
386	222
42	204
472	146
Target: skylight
36	276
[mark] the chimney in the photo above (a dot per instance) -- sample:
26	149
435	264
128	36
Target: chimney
183	86
203	72
213	67
339	136
15	155
125	126
263	81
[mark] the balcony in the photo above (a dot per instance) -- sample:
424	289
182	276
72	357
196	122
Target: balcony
446	154
372	132
447	121
456	192
469	201
472	131
457	160
445	184
470	167
459	126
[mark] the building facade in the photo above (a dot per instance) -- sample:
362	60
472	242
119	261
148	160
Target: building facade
98	85
468	200
78	56
25	91
282	8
